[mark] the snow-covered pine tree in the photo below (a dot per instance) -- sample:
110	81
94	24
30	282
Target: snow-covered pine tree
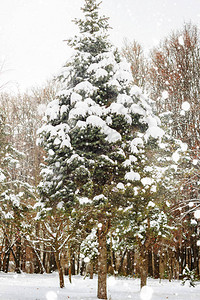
95	131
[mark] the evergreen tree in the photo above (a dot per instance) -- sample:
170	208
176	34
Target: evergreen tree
96	131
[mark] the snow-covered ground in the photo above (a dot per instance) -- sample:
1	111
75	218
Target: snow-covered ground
45	287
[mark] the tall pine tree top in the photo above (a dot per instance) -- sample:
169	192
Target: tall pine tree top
98	127
93	30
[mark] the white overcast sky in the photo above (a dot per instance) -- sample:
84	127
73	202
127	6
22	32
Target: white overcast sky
32	31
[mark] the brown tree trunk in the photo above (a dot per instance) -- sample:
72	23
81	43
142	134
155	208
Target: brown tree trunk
69	257
18	255
111	256
102	264
91	270
37	268
69	264
78	262
23	256
6	260
82	267
73	268
120	270
143	268
161	267
60	271
6	257
153	263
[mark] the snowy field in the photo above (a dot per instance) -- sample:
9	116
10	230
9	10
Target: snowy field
45	287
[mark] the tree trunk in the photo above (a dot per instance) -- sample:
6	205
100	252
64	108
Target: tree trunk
161	267
91	270
37	268
121	263
153	263
38	262
73	268
102	264
130	262
6	260
78	262
69	257
82	267
143	269
6	257
1	254
23	256
112	271
18	255
60	271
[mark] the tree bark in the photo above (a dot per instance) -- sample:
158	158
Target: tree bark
60	271
36	261
73	268
69	264
91	270
122	262
18	255
143	268
161	266
130	262
6	257
102	264
153	263
112	270
69	257
78	262
6	260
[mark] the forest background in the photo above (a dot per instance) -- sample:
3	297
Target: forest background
169	75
